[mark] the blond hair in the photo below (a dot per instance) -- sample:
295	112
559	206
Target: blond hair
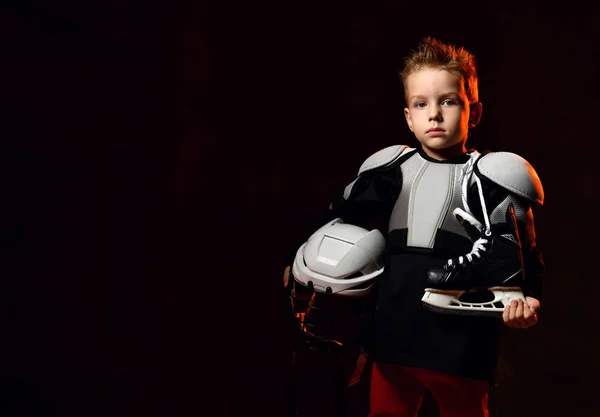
433	53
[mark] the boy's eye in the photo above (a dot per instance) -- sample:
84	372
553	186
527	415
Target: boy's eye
420	105
448	102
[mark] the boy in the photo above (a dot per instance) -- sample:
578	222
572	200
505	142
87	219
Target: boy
415	197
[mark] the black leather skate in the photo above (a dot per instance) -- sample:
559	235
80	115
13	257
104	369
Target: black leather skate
483	281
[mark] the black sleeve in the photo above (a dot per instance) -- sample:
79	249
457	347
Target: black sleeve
533	261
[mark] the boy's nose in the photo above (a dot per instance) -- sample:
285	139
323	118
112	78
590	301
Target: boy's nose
435	114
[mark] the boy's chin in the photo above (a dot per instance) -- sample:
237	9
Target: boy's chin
443	149
441	145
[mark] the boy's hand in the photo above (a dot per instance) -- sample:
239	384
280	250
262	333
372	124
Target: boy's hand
521	315
286	276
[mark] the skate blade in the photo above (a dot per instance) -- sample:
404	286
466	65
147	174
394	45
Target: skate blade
455	301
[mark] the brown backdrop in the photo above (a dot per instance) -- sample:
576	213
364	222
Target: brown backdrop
158	158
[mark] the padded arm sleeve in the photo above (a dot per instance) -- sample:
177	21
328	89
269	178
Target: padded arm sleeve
533	262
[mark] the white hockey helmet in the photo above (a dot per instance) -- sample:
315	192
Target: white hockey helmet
341	259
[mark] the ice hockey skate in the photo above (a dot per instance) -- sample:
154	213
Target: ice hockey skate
483	281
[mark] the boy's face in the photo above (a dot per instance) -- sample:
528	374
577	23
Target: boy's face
439	113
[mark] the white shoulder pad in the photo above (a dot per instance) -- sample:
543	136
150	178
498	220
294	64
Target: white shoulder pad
514	173
383	157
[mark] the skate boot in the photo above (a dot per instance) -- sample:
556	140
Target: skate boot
483	281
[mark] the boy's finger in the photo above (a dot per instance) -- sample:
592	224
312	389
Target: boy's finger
286	276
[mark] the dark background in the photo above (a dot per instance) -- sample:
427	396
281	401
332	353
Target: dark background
158	158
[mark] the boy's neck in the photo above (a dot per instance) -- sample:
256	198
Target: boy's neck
447	153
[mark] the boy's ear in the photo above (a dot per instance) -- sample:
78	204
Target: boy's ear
475	113
408	119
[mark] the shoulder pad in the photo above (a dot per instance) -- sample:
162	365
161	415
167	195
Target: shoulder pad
514	173
383	157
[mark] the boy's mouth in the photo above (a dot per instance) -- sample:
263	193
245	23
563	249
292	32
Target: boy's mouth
436	131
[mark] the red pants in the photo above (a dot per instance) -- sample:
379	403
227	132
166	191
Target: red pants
397	391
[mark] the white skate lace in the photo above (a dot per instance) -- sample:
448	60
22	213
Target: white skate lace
465	177
479	246
466	174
